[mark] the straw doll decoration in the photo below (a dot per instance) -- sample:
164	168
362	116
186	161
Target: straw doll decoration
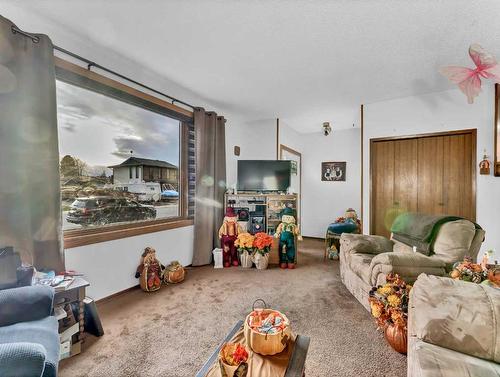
149	271
228	233
286	232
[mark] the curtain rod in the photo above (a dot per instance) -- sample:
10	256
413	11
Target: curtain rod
90	64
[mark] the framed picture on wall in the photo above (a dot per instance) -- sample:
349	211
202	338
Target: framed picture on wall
333	171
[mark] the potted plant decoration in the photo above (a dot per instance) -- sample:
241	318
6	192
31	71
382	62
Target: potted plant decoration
389	306
262	245
244	243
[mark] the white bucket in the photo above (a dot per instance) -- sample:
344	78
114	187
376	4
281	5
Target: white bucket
217	258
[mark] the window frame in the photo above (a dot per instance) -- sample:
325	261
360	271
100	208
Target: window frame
77	75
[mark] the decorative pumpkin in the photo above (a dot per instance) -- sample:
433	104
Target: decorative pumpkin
174	273
397	337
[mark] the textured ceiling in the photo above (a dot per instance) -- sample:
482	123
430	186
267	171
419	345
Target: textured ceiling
303	61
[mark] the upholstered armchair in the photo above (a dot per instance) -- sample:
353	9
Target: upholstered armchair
366	260
29	338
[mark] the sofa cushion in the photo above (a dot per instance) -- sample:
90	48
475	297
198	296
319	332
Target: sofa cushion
360	265
364	244
44	332
407	259
457	315
428	360
454	240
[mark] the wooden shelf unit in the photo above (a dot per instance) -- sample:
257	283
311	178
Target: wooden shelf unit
273	205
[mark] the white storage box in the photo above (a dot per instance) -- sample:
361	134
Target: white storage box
217	258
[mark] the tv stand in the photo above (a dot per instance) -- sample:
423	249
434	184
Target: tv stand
264	210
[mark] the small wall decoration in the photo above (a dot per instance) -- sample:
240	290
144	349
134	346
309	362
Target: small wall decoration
484	165
236	150
468	79
333	171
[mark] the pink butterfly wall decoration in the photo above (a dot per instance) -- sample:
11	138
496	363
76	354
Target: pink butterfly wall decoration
468	79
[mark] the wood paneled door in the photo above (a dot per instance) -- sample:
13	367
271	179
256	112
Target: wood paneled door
432	173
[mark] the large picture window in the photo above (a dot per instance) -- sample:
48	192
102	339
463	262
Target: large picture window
121	163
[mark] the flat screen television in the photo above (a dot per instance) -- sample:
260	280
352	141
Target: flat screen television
263	175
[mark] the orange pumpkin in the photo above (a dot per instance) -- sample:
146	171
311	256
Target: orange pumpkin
397	337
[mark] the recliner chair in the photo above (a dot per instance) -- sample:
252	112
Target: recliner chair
366	260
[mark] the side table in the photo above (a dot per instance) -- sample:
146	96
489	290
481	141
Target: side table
74	295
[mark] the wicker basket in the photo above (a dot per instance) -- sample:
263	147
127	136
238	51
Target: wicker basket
267	344
246	259
261	261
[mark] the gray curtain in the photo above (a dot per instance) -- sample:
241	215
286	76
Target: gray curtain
30	213
210	183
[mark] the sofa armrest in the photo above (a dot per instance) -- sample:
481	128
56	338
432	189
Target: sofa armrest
457	315
25	304
22	359
363	244
407	260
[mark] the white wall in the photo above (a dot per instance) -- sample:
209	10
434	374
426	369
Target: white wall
323	202
110	266
256	139
435	112
291	138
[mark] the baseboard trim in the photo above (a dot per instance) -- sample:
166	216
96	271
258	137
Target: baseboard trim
115	295
314	238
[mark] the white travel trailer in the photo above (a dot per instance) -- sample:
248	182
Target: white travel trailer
145	191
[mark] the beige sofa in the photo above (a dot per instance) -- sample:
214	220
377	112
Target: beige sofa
453	329
366	260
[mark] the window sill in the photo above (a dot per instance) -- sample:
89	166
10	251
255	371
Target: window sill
76	238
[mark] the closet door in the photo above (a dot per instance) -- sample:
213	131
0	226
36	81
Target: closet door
459	171
430	175
405	175
382	176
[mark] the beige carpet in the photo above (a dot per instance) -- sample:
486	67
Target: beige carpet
172	332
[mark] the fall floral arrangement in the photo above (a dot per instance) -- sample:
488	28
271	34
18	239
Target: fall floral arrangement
484	273
389	302
244	242
469	271
233	354
262	243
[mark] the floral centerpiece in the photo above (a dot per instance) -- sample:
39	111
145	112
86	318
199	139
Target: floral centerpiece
469	271
262	245
477	273
389	306
233	358
244	243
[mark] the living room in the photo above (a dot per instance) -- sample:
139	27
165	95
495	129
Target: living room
172	171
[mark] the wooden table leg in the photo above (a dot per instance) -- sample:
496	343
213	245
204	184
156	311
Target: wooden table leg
81	313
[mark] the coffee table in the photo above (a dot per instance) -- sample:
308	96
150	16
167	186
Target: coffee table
296	364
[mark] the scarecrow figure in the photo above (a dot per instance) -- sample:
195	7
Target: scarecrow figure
149	271
286	232
228	233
